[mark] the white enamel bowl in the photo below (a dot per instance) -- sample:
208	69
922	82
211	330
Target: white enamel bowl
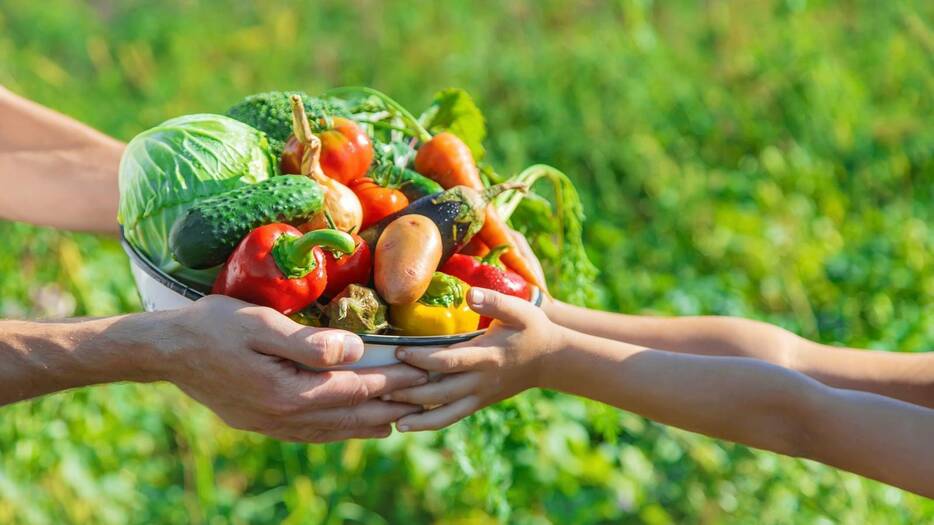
160	291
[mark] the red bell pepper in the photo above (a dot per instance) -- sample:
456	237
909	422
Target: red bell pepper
276	266
488	272
351	268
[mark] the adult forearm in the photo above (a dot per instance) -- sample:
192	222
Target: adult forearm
754	403
54	170
38	358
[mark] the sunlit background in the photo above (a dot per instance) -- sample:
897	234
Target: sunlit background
771	159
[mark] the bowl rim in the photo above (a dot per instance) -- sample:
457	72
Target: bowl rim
188	292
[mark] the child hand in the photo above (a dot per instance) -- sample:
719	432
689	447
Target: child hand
503	362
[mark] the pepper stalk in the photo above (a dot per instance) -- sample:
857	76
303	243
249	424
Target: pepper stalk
293	255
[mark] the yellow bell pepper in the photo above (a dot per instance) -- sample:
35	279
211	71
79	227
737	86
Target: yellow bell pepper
442	310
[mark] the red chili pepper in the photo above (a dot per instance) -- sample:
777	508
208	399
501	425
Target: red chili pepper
488	272
377	201
351	268
276	266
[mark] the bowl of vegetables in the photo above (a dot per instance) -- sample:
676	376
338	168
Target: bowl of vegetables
342	211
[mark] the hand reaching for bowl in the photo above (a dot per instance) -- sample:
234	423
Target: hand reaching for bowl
745	400
242	362
504	361
238	359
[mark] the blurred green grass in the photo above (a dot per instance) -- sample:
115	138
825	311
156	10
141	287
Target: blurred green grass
771	159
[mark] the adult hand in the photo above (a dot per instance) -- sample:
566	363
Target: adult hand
242	361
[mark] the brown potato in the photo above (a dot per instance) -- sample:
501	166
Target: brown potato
407	254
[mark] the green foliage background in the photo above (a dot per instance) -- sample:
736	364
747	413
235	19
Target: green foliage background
770	159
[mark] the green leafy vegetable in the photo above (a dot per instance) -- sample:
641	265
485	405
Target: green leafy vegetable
556	234
454	110
166	169
380	112
271	113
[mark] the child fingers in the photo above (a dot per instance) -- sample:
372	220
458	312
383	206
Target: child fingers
447	390
445	359
440	417
504	308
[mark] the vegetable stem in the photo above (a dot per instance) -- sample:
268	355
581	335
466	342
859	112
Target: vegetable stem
489	194
293	254
506	203
300	125
573	264
416	128
311	159
492	258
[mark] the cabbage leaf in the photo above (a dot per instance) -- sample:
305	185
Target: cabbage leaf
166	169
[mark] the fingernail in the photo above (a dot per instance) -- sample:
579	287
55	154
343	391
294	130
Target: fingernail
353	348
475	297
386	397
402	427
421	380
400	353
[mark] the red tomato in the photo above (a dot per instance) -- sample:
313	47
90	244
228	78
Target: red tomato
346	152
377	201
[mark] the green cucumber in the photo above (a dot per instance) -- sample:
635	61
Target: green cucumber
207	234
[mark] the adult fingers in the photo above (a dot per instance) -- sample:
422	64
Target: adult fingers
440	417
343	388
448	389
315	435
388	378
449	359
505	308
275	334
370	414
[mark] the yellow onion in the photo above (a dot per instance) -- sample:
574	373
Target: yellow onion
342	209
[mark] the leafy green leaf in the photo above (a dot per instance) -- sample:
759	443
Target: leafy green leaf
454	110
166	169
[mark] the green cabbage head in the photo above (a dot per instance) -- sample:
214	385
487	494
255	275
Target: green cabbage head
168	168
